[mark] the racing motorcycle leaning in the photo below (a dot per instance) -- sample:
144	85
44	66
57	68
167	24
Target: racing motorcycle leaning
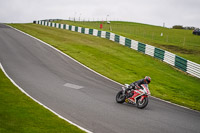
140	95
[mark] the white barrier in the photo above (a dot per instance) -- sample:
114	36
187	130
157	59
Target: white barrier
122	40
169	58
150	50
112	37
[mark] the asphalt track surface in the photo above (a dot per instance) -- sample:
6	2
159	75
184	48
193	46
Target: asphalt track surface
81	95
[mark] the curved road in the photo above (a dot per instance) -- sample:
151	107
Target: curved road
81	95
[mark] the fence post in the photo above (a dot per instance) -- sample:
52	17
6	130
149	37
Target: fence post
184	42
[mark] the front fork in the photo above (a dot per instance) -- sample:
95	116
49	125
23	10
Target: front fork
123	90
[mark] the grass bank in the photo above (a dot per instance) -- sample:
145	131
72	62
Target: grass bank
178	41
20	114
121	64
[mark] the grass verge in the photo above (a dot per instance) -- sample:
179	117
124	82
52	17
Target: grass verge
20	114
121	64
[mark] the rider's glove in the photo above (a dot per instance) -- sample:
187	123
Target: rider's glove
130	87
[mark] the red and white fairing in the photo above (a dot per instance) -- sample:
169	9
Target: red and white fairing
146	89
144	92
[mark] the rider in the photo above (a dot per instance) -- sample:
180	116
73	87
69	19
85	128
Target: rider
136	85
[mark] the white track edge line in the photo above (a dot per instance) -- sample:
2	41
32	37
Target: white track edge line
40	102
97	72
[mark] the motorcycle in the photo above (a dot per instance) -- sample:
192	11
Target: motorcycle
141	95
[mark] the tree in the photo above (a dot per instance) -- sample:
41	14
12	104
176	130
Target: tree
177	27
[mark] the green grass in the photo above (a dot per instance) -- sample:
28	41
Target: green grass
20	114
178	41
121	63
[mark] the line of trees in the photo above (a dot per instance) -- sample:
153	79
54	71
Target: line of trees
181	27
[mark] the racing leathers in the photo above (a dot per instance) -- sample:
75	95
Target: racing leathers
136	84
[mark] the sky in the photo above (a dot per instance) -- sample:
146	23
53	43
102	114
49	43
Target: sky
154	12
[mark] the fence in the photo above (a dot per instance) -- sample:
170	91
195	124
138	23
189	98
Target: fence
168	57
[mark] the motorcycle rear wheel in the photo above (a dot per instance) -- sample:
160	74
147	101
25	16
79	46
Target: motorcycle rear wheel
120	98
142	104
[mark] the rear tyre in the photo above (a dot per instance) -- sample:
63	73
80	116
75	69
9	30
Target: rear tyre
142	104
120	98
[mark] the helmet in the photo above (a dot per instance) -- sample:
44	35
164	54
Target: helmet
147	79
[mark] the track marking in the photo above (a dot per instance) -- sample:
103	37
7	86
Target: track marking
73	86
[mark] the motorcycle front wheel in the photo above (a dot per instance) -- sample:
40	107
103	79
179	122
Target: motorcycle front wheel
120	98
142	104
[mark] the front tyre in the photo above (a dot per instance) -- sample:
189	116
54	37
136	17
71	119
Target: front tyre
142	104
120	98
